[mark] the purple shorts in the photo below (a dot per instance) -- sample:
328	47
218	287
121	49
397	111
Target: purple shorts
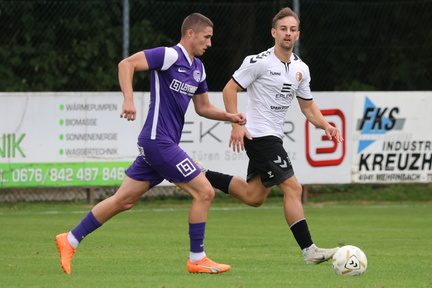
162	159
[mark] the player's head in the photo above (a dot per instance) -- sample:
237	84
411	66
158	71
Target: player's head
285	12
197	22
196	33
285	29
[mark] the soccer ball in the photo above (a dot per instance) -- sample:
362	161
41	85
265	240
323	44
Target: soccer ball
349	260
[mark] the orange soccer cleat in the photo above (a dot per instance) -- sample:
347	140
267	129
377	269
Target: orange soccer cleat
206	265
66	252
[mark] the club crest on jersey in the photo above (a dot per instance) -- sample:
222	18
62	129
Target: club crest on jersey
197	75
299	76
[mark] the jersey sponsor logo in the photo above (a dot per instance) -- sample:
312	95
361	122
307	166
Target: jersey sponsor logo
183	88
286	92
186	167
286	88
279	108
275	73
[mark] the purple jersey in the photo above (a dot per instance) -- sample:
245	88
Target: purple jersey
174	80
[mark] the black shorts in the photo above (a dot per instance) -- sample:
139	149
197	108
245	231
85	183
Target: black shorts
268	158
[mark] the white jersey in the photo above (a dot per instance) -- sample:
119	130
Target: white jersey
271	86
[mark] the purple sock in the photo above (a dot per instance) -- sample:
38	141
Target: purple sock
87	225
196	235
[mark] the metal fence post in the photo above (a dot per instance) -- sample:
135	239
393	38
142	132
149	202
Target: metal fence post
296	8
126	11
90	195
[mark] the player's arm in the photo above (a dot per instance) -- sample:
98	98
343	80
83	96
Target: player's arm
204	108
314	115
238	132
230	96
126	70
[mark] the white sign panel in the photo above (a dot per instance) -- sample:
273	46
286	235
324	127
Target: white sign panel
315	158
319	160
392	137
67	139
79	139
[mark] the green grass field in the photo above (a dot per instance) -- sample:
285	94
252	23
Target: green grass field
148	246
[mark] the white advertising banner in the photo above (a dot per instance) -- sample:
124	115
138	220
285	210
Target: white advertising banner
392	137
79	139
65	139
315	158
319	160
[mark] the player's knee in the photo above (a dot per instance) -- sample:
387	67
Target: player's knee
128	206
293	192
297	194
122	204
255	196
209	194
206	195
298	189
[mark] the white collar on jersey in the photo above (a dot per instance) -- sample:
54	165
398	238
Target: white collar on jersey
185	53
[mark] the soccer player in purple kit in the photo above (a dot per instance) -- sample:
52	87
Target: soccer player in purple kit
177	76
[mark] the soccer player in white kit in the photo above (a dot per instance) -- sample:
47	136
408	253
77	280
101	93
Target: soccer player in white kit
273	79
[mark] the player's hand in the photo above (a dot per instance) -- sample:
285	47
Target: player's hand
333	132
237	138
128	111
238	118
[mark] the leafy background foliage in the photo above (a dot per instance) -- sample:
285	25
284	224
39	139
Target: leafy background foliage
75	45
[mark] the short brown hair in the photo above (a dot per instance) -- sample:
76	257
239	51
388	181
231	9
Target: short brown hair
196	22
285	12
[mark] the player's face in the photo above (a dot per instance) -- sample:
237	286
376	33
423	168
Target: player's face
286	33
201	41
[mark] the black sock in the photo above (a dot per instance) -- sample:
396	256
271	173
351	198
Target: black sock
301	233
219	180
